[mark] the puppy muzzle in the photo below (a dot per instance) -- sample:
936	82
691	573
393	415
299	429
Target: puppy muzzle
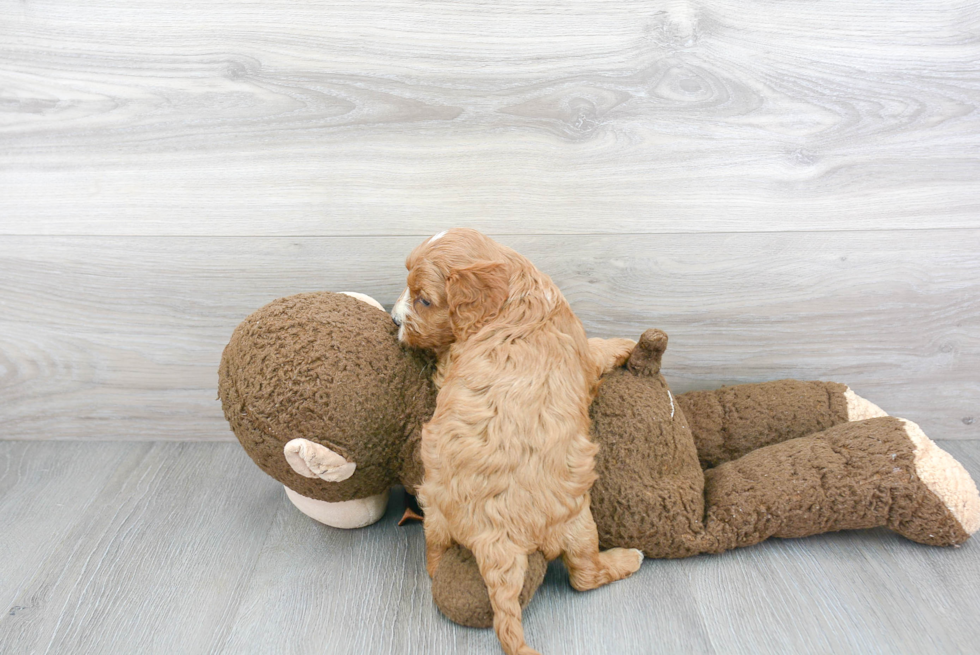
400	310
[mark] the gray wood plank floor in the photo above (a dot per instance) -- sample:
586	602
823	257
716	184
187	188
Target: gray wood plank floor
188	548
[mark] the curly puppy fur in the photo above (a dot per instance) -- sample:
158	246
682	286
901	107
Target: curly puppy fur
507	455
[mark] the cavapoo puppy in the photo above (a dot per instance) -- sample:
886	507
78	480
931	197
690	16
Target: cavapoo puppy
507	455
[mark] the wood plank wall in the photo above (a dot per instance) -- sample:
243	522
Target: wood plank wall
790	189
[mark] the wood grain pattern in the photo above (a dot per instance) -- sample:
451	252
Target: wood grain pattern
119	338
521	116
189	548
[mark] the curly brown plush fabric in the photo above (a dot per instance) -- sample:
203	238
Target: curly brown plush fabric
729	422
458	589
307	366
650	490
781	458
854	475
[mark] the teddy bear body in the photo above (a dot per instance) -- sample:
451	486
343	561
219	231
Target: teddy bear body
321	377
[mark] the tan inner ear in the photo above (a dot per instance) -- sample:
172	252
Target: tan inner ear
313	460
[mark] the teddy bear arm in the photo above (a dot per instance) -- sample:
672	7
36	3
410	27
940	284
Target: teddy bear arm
881	472
730	422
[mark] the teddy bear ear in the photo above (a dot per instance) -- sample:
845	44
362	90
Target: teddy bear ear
363	297
646	356
313	460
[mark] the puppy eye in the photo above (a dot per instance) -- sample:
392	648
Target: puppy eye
424	302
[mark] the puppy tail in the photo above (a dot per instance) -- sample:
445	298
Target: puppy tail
503	566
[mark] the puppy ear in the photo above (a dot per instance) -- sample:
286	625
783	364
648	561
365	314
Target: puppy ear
475	294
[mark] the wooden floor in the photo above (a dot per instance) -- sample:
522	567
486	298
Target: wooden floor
188	548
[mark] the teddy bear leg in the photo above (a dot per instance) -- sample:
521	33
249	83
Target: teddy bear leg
919	517
863	474
461	595
729	422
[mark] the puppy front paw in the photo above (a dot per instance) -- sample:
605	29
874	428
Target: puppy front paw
610	354
621	351
639	558
627	561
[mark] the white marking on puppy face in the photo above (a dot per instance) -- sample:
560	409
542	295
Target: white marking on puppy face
438	236
400	311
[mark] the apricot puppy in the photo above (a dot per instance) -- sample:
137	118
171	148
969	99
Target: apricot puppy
507	455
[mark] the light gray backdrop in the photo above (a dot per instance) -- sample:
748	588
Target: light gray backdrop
789	189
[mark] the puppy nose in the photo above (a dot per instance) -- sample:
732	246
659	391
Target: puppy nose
396	321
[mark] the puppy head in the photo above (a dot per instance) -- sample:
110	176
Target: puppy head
457	281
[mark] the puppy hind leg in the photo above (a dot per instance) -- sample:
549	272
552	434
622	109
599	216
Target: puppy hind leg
437	539
503	566
589	568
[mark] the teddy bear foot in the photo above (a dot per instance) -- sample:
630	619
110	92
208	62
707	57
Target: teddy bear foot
859	409
951	512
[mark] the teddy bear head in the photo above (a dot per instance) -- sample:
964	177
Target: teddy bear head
325	400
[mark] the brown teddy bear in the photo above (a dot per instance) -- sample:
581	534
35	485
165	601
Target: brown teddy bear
324	399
